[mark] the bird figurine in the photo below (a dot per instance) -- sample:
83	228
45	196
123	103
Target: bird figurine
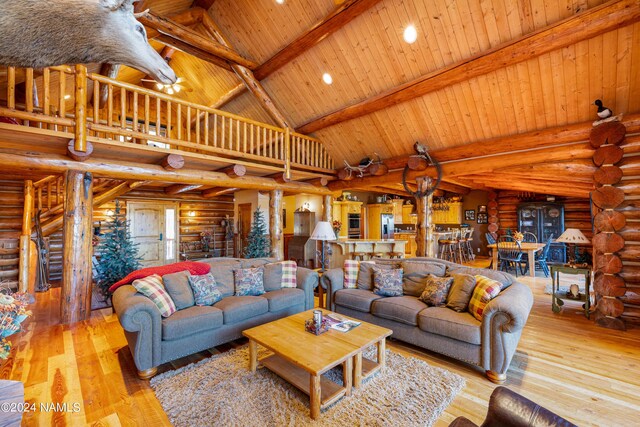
603	112
421	149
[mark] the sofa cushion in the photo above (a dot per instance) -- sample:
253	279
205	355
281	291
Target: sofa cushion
249	281
177	285
236	309
460	293
436	290
448	323
284	298
222	270
402	309
272	276
205	289
415	274
387	283
356	299
505	279
365	272
255	262
191	320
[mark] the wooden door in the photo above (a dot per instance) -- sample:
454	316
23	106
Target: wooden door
146	221
244	226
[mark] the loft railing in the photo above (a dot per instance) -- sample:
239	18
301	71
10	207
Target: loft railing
93	107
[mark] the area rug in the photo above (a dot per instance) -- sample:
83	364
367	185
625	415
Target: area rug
222	391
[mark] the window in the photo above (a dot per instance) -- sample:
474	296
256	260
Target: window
170	233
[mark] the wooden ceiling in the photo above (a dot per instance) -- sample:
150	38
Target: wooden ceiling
368	57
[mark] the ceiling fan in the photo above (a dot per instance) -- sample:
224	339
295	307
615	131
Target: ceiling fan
180	85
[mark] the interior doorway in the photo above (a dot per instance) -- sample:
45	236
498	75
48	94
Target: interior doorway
244	226
154	227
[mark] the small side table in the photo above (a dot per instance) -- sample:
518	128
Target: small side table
557	296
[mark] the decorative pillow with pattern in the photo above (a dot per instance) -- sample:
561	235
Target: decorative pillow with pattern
205	289
486	289
289	272
351	267
436	290
387	282
152	288
249	281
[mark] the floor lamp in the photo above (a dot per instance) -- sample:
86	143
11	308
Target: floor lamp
323	232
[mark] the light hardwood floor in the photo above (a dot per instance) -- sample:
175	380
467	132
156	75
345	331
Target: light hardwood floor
587	374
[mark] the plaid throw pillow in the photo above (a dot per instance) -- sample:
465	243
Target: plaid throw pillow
351	268
387	282
486	289
436	290
152	288
249	281
289	271
205	289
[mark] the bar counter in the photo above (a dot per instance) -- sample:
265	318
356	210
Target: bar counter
342	249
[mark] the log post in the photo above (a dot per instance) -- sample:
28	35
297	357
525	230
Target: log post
81	109
423	224
25	238
275	224
327	209
75	295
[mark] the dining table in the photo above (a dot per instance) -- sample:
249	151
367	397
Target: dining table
529	247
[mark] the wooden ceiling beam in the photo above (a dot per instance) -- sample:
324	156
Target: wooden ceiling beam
191	50
180	32
217	191
204	4
556	188
16	161
582	26
180	188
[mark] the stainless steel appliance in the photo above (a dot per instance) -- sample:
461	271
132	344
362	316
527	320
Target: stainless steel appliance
353	232
387	225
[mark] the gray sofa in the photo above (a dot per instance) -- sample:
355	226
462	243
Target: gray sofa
154	340
489	344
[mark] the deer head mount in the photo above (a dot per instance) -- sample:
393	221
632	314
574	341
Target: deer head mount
37	34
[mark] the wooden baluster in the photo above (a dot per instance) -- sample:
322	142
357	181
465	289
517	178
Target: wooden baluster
188	129
134	125
46	87
59	191
96	104
253	131
123	108
158	119
49	190
215	130
40	198
28	95
271	143
11	87
147	114
264	142
179	121
197	127
287	153
230	133
237	135
258	140
109	105
244	139
62	80
222	128
168	119
206	128
80	95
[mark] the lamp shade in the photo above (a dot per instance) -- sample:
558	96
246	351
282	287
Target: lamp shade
323	231
573	235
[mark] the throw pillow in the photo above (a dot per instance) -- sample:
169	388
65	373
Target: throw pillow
350	268
152	288
416	273
436	290
194	267
387	282
222	270
365	273
249	281
289	273
205	289
177	285
272	276
460	293
486	289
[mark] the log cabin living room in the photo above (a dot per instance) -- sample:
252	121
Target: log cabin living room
320	212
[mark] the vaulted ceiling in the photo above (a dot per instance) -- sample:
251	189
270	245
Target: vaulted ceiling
368	57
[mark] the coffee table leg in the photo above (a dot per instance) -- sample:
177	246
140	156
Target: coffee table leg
315	396
253	355
347	375
382	358
357	370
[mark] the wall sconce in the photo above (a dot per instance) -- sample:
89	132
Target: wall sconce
192	213
109	212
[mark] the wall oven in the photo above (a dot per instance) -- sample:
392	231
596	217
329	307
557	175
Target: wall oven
353	230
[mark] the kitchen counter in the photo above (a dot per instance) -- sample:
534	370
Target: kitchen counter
343	248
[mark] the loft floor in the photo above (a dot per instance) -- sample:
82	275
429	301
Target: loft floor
564	362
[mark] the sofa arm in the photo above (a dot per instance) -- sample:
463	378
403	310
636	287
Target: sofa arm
142	322
332	281
307	280
502	323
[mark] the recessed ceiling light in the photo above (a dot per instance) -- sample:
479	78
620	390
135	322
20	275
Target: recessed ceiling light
280	1
410	34
326	77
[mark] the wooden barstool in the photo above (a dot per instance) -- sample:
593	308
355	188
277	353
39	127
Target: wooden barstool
395	253
359	256
449	248
376	254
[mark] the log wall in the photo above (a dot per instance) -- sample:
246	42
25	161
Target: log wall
11	209
617	221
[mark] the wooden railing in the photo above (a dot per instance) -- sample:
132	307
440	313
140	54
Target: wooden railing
96	108
49	195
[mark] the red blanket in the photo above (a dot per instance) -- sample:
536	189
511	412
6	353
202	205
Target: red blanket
193	267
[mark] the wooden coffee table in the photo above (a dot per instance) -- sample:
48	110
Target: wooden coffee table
301	357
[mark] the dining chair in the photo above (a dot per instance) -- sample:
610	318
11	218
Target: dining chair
490	241
510	254
529	237
541	258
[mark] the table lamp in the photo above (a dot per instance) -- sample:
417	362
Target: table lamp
323	232
573	237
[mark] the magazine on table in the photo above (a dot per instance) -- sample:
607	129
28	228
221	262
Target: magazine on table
339	323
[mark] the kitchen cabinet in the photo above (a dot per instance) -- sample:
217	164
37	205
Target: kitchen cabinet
451	216
397	210
410	246
407	218
378	215
348	213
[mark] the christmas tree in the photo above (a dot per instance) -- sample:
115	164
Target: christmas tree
258	243
118	254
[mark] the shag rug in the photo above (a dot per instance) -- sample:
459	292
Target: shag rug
221	391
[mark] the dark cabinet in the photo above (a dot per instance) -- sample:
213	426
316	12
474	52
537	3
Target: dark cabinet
544	220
